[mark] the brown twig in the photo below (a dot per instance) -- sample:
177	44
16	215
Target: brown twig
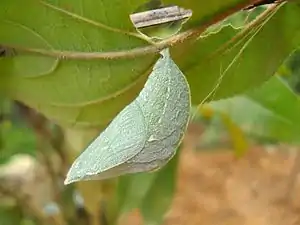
39	125
262	2
159	16
141	51
56	142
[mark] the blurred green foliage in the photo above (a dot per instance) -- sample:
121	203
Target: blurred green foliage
263	123
16	136
290	71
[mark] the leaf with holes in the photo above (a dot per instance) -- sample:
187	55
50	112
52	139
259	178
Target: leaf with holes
206	11
222	64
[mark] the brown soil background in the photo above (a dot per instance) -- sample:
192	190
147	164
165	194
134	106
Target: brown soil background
218	189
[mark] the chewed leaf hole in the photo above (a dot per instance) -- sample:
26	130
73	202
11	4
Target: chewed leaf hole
158	21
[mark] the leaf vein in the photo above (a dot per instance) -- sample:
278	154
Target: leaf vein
92	22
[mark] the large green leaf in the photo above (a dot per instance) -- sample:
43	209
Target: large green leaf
150	192
271	111
159	197
245	63
72	92
206	10
132	189
10	215
91	92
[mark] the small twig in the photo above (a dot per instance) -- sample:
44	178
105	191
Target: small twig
56	143
141	51
39	125
261	3
159	16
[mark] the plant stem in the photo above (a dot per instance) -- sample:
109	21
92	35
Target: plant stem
141	51
43	137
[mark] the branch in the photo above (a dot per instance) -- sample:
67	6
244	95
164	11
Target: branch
43	137
141	51
159	16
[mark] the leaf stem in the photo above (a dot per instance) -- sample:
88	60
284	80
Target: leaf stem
43	138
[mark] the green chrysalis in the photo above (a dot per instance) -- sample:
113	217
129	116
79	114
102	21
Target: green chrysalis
145	134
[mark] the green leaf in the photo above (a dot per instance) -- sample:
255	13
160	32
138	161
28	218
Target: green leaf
16	138
159	197
72	92
244	17
137	186
204	11
10	215
145	134
245	63
89	93
272	111
129	194
133	191
150	192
